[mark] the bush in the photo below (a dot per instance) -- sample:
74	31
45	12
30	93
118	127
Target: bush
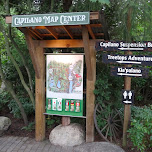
4	99
140	132
107	88
28	107
30	127
52	121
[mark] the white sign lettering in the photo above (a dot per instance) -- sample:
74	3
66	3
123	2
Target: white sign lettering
76	18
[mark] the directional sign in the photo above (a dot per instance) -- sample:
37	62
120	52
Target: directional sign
123	46
127	59
132	72
127	96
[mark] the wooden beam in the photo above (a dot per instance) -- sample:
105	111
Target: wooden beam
85	37
40	96
34	33
93	16
99	34
91	32
65	43
66	28
40	35
8	19
24	30
90	99
50	30
61	43
31	47
40	27
70	26
95	25
65	34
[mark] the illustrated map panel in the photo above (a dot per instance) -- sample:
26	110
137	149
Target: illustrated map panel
65	76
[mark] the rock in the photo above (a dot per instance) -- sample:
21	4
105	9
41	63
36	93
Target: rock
4	124
98	147
70	135
3	86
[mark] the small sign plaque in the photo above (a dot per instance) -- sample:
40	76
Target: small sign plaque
127	96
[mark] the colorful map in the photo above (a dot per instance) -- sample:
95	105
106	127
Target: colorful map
64	75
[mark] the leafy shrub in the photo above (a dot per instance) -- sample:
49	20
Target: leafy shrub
108	96
107	88
140	132
52	121
30	127
28	107
4	99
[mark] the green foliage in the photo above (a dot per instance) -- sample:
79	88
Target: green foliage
140	132
87	5
108	95
52	121
142	90
78	120
30	127
4	99
28	107
107	88
101	1
139	29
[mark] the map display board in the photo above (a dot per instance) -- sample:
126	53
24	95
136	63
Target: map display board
64	84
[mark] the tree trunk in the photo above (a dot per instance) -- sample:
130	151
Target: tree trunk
16	66
22	58
66	5
30	93
52	5
12	92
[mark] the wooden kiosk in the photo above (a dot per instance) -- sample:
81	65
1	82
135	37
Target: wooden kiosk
63	36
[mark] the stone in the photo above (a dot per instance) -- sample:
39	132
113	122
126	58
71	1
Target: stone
4	124
2	87
98	147
70	135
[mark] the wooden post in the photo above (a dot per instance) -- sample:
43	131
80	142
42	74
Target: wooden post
127	112
127	108
86	44
40	96
90	59
65	121
90	99
38	60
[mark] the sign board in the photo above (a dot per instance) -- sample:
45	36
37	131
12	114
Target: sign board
64	85
127	59
127	96
123	46
129	71
75	18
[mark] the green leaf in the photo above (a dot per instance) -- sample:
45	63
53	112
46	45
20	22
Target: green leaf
101	1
